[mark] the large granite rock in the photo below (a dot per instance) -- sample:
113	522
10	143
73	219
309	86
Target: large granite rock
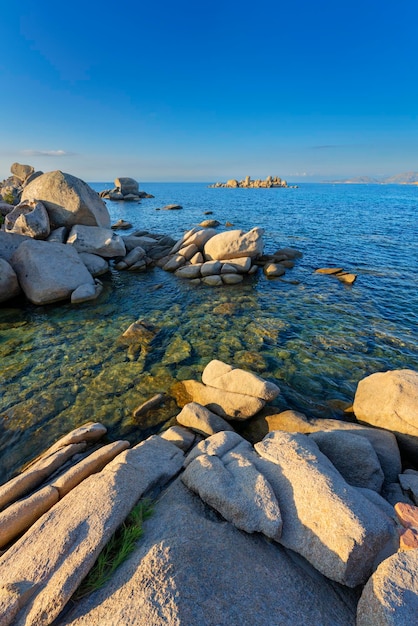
222	376
390	400
95	240
49	272
325	520
80	525
9	285
68	200
390	597
28	218
127	185
222	472
193	568
233	244
237	406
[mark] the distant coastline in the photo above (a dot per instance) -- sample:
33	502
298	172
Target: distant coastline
406	178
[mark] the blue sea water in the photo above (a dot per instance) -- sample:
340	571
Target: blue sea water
316	337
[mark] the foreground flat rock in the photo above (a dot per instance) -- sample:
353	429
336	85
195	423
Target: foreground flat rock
79	526
325	520
191	568
389	400
222	376
229	405
49	272
68	200
390	597
95	240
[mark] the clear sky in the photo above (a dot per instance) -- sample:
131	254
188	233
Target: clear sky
208	90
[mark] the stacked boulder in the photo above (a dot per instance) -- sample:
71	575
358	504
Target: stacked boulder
56	241
205	256
11	189
125	189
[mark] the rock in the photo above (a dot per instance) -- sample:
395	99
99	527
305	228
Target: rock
341	533
28	218
101	241
178	350
174	263
234	244
172	207
18	517
197	259
187	550
407	515
212	281
39	471
389	400
353	456
127	186
232	183
86	292
32	177
273	270
188	271
346	277
196	236
58	235
231	484
131	197
135	255
22	171
383	442
201	420
232	279
329	270
152	403
393	493
290	253
189	251
181	437
121	225
140	332
390	597
222	376
210	268
229	405
49	272
241	265
409	483
92	464
408	539
209	224
56	568
95	264
9	285
5	208
68	200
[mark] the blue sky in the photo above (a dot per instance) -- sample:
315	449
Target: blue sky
205	91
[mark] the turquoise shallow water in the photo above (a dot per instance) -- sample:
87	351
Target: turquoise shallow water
63	365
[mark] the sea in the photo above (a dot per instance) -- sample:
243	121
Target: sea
315	337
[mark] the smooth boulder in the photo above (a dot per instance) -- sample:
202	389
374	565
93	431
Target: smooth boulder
327	521
49	272
95	240
222	376
68	200
28	218
234	244
389	400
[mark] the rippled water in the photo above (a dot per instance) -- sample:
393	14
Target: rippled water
62	365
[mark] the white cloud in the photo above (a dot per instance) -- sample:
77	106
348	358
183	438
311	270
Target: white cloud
47	153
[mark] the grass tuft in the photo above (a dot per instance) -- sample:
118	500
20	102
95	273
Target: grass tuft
116	551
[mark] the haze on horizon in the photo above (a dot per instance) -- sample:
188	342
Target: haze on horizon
209	91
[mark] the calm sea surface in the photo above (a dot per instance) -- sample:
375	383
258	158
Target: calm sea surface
63	365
